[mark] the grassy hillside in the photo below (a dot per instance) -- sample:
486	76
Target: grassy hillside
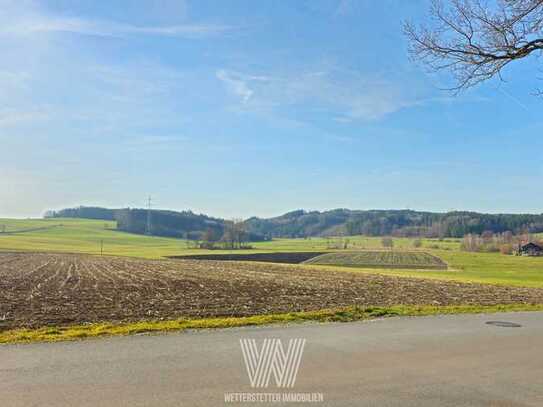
84	236
489	268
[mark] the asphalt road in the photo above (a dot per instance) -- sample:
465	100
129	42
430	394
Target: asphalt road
425	361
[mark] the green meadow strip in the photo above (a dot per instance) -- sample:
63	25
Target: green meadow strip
347	314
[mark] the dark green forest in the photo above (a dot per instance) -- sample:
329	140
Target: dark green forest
300	223
401	223
184	224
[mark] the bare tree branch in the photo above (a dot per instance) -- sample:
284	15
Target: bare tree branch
476	39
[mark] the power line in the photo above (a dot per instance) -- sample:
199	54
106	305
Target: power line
149	205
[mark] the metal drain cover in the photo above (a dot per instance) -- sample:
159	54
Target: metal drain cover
504	324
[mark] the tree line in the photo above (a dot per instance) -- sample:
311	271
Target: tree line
301	224
506	242
201	229
398	223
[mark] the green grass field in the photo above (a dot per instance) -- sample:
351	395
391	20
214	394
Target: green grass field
487	268
85	236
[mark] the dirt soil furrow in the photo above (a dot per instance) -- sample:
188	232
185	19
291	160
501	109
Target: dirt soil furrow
39	289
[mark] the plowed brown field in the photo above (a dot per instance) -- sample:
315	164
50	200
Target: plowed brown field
57	289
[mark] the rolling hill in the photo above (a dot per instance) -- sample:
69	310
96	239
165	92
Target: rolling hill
301	223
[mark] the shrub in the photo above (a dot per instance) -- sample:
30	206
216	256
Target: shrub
506	249
490	248
387	242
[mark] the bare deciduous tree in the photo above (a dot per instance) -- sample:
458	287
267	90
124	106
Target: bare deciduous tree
235	234
387	242
476	39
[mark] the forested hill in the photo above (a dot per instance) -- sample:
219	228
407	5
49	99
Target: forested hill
391	222
184	224
302	223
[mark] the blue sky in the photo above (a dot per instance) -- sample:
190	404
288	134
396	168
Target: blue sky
245	108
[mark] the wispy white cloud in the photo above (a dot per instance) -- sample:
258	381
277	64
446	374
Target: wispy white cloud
379	100
345	94
84	89
74	89
50	24
236	83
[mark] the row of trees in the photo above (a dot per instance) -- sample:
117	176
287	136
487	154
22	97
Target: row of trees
397	223
202	230
338	222
506	243
234	236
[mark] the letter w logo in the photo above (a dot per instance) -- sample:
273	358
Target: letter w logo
272	359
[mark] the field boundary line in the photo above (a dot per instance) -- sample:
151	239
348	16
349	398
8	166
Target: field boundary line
345	314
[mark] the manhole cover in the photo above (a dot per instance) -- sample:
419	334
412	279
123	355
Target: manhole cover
504	324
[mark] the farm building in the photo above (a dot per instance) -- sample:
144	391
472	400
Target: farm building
530	249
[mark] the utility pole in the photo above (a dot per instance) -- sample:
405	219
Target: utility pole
101	247
149	204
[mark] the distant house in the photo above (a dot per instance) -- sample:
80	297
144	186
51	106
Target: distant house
530	249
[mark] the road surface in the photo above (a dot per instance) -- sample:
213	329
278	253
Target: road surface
424	361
